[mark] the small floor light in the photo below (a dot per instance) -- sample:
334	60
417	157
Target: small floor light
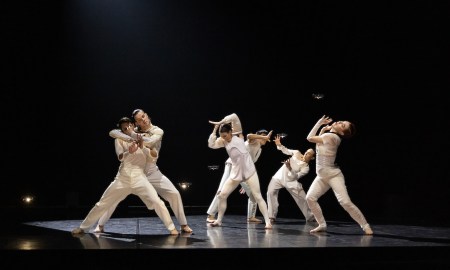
27	199
184	185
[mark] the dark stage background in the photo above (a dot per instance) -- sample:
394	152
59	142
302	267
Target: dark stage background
73	68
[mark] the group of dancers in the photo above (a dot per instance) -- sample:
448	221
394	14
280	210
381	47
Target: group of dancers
138	143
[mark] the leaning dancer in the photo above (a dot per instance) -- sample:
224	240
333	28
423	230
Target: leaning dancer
242	169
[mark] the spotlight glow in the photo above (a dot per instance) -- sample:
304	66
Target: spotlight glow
318	96
27	199
184	185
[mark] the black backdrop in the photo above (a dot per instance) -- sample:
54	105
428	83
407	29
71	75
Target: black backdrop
73	68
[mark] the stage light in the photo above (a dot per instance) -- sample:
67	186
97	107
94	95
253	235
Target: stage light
213	167
184	185
27	199
282	135
318	96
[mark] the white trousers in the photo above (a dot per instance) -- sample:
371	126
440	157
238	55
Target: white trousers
334	179
251	205
294	188
230	185
118	190
165	188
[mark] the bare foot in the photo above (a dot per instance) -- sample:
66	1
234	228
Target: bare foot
186	229
367	230
320	228
253	220
77	231
216	224
210	219
99	229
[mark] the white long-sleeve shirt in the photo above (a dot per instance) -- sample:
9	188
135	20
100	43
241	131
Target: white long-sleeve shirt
299	167
326	151
242	166
254	149
131	164
235	122
152	137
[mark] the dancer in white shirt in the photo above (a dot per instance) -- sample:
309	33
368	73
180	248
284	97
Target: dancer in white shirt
287	177
242	169
152	136
329	175
253	144
130	179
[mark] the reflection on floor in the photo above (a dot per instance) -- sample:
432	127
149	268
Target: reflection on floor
343	244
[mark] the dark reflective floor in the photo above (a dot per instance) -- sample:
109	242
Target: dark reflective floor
131	241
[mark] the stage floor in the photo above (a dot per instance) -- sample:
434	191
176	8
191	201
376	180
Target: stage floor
235	242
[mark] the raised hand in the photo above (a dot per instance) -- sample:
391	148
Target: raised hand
277	140
269	135
325	120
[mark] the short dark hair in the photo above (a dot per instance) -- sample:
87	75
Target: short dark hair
225	128
123	120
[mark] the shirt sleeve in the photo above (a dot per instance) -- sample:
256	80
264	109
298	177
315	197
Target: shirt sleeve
235	123
286	151
330	139
214	142
118	134
120	147
154	137
303	171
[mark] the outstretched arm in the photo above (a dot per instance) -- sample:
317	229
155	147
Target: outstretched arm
282	148
312	137
251	137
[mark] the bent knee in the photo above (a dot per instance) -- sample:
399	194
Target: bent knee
346	204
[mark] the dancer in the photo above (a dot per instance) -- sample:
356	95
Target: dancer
253	144
130	179
242	169
287	177
329	175
152	136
